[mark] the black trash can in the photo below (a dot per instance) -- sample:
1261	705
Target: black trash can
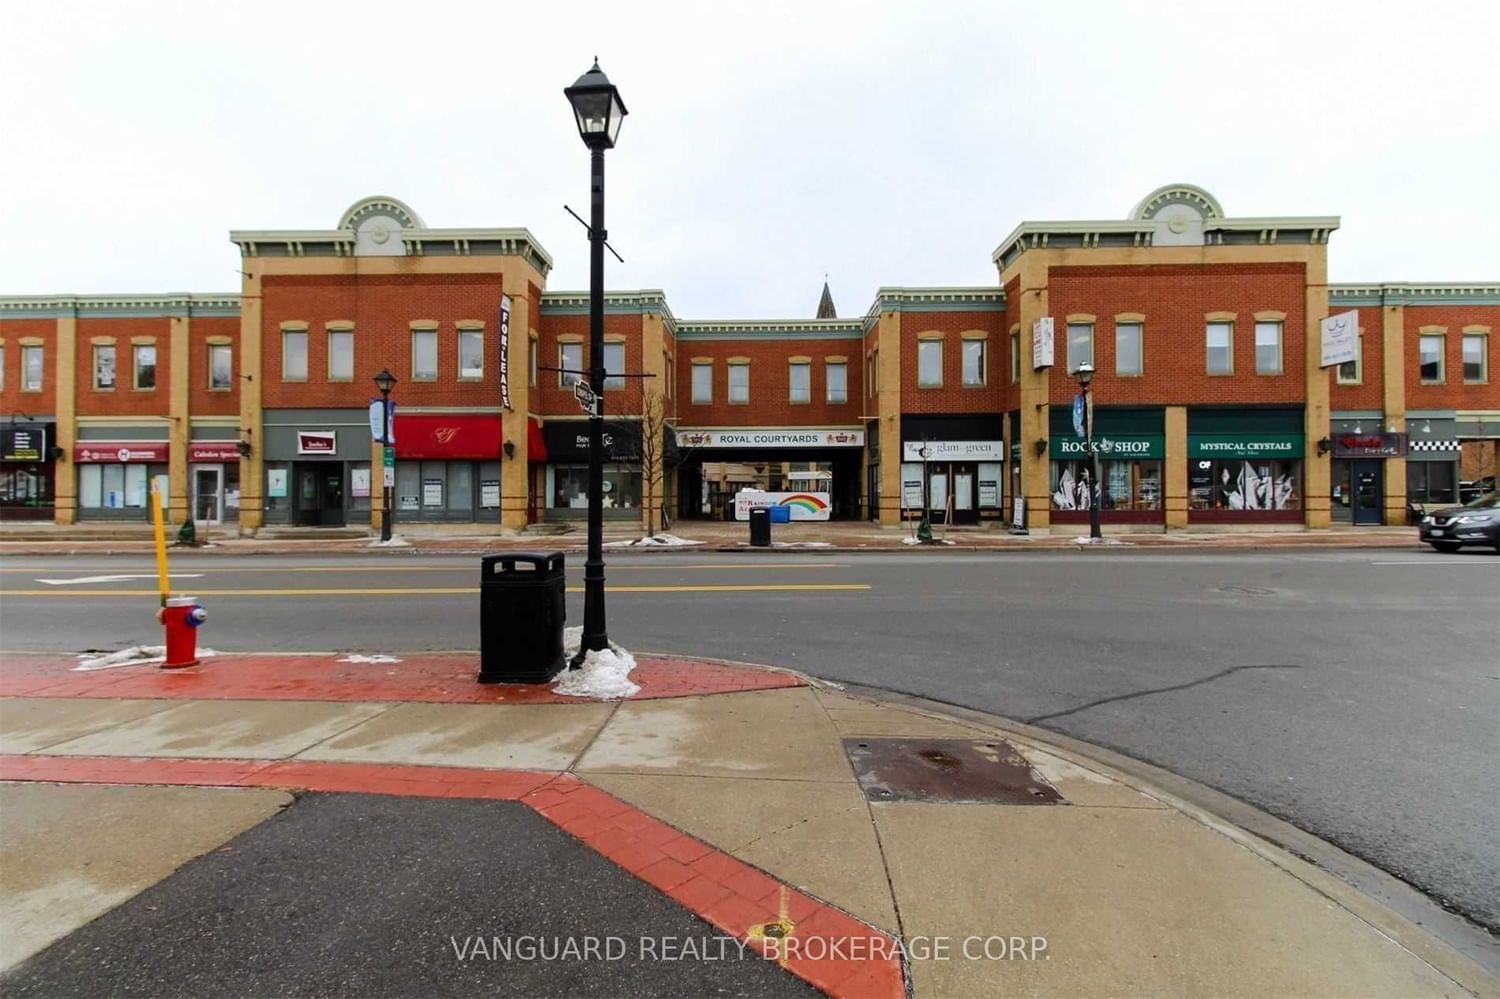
522	607
760	527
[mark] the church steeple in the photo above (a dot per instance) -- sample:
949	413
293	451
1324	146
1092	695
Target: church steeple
825	304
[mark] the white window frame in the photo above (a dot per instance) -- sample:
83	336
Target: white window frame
928	380
1358	377
1015	357
28	351
1484	356
292	336
791	381
1442	358
1208	331
983	348
135	365
744	390
569	376
1139	329
424	336
1072	330
114	367
1280	329
707	367
614	381
335	376
214	350
470	374
842	395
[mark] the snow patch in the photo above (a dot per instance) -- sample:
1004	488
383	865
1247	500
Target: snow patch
604	676
802	544
1084	539
136	655
369	659
662	540
395	542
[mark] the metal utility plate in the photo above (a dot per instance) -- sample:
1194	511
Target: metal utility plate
976	771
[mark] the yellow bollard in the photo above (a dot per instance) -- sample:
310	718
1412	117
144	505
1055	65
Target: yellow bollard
161	546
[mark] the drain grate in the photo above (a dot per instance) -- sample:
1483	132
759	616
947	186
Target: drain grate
979	771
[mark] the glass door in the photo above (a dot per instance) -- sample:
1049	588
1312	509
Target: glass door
1367	492
937	494
208	493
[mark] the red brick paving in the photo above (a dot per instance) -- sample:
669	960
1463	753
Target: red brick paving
827	947
439	678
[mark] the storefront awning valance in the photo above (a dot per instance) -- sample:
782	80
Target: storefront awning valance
536	444
475	436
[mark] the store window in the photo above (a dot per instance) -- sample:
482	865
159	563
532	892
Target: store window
973	374
930	363
104	367
220	366
739	383
115	486
570	486
1267	348
424	355
1431	482
703	382
837	375
1220	338
145	366
1128	358
26	486
614	367
800	380
1128	485
471	354
1244	485
1080	345
570	359
1430	358
294	355
31	369
341	355
1476	357
1352	372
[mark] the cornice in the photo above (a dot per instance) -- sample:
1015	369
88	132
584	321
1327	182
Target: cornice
417	242
118	306
769	329
637	302
1459	293
1091	234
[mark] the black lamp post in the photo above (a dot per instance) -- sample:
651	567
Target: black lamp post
599	110
385	381
1096	489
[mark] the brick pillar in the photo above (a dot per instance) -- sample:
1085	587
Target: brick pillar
1176	484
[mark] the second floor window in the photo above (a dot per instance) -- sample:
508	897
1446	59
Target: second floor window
739	383
929	363
570	359
1080	345
1015	357
1128	349
1350	373
220	366
1476	357
1268	348
424	351
614	367
31	369
703	382
294	356
145	366
341	356
801	381
1220	348
973	363
104	367
471	353
837	374
1430	358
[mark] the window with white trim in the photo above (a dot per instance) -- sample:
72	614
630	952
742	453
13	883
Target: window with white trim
799	377
1430	357
145	365
471	354
104	366
614	367
1476	357
974	366
1080	345
341	355
424	355
220	366
1268	348
570	359
1128	354
836	373
929	363
294	355
1220	341
703	382
739	382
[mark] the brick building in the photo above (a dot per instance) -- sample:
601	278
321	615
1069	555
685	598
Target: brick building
1211	404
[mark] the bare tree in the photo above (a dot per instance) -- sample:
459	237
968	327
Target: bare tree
652	450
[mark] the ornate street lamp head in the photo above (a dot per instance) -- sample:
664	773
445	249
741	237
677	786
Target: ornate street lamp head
1085	373
385	381
598	108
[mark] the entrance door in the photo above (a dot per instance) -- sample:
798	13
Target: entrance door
331	496
937	494
1368	492
208	493
964	511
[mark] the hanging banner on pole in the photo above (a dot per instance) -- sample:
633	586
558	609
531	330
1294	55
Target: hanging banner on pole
505	351
378	423
1078	426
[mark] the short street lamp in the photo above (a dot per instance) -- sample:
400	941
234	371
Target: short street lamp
1085	375
385	381
599	110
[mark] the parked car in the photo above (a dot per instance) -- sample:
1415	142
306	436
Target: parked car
1477	522
1475	488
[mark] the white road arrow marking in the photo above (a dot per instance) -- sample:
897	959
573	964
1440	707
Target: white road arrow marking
116	579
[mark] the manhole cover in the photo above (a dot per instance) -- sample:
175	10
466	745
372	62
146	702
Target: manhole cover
988	771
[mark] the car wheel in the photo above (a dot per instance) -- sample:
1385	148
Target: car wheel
1447	547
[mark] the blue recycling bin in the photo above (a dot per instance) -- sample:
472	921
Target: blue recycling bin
781	514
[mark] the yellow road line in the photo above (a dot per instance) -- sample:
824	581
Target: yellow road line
436	591
396	567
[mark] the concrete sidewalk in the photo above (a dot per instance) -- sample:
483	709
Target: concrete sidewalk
868	846
27	539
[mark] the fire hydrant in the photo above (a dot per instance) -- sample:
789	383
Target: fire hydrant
181	618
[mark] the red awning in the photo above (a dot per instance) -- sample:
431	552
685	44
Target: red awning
536	447
456	435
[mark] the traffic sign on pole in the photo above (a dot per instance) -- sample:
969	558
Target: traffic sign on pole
586	398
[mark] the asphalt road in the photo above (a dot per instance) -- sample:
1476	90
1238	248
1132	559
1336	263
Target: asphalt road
363	895
1354	693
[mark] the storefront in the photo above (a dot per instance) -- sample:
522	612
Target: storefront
448	467
115	478
714	465
953	467
317	467
1358	469
1131	443
1433	457
27	485
1245	466
214	480
566	483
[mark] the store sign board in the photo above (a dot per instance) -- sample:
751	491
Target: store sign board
114	451
768	437
1340	339
1111	448
276	483
1370	446
803	506
23	443
317	442
214	451
1248	446
1042	338
953	450
505	351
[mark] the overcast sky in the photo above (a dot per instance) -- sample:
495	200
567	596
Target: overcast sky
768	143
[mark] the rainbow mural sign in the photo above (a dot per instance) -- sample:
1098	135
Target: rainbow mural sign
803	506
